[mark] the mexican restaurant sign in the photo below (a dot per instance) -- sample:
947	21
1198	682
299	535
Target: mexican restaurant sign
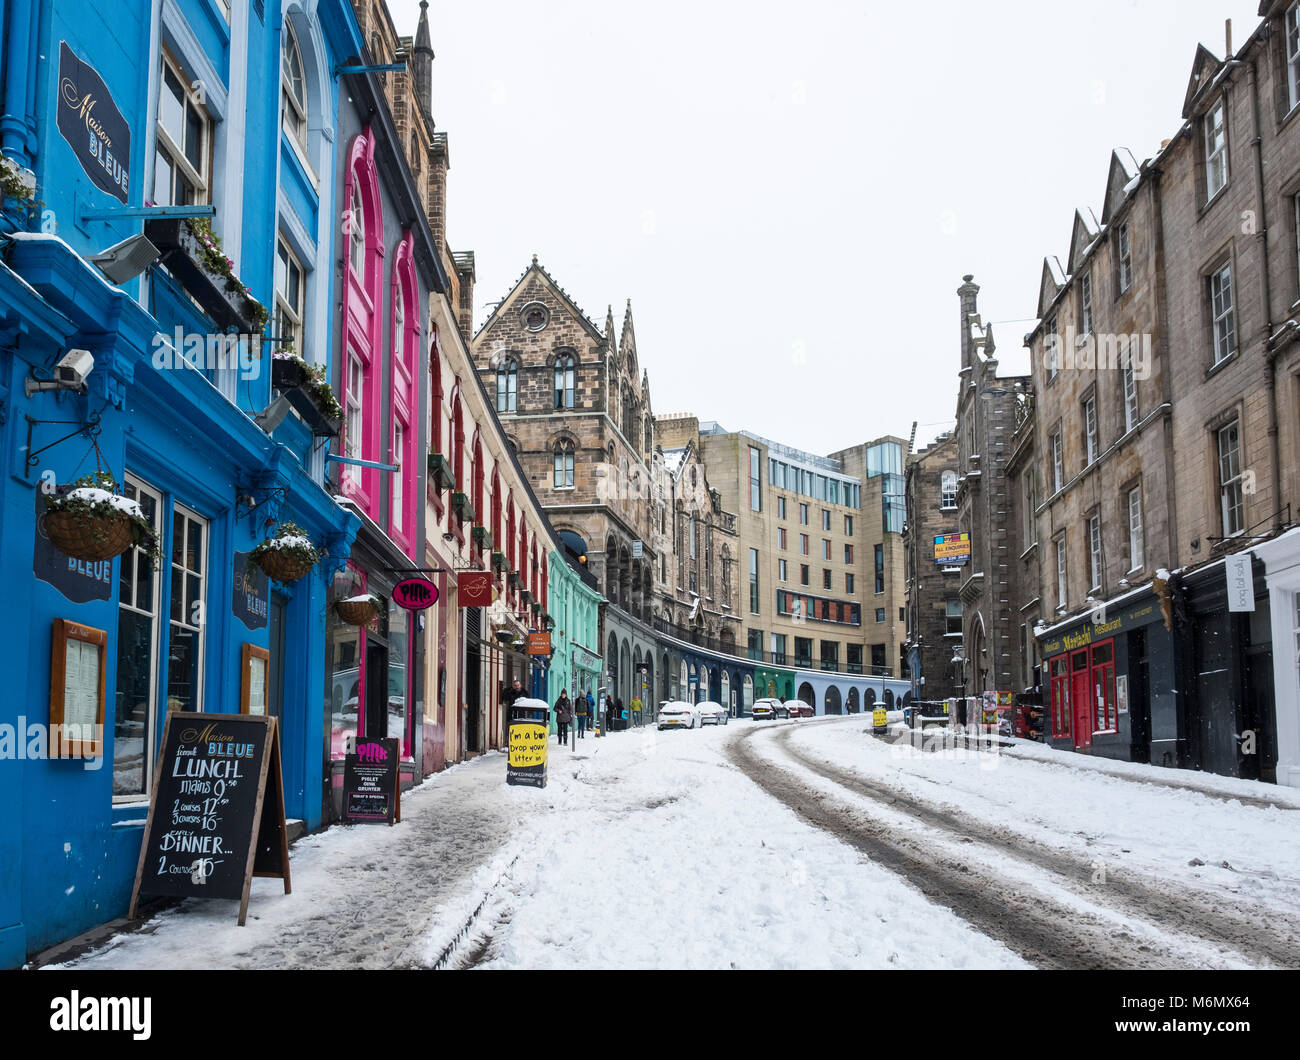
952	550
93	126
1091	632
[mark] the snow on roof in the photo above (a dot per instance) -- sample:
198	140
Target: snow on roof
1059	276
1128	162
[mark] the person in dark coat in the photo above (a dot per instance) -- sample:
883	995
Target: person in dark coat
563	715
581	710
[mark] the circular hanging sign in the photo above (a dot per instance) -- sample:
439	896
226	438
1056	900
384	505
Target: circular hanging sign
415	594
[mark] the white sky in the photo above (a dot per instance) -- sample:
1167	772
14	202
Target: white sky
791	195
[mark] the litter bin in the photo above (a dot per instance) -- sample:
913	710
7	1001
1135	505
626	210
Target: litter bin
528	736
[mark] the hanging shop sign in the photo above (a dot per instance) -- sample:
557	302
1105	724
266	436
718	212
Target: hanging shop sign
81	581
952	550
415	594
372	788
250	595
216	815
1241	583
539	643
474	588
94	128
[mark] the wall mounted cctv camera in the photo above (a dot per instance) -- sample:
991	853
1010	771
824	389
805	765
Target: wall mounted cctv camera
74	367
69	374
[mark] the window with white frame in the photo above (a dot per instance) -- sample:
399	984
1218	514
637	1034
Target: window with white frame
399	504
353	422
1061	597
1216	151
1058	463
1225	327
356	226
1293	55
189	548
952	617
1094	552
783	569
1085	304
1125	258
290	296
183	147
948	489
135	698
1090	430
508	385
564	470
1136	547
1128	379
293	89
1231	503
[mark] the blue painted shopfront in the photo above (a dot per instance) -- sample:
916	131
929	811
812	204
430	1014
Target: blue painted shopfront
182	437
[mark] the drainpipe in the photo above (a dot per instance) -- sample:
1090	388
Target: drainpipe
18	23
1262	238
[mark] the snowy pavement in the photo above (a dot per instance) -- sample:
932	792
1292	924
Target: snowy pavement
666	850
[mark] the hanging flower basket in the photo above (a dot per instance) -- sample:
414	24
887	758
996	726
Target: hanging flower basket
90	521
287	556
358	610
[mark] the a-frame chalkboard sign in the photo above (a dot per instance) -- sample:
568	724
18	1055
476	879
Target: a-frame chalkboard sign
216	815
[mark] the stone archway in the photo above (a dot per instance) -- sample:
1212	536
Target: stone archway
834	704
889	699
869	698
852	703
807	695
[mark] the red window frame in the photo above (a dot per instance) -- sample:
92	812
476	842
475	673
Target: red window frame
1101	684
1059	669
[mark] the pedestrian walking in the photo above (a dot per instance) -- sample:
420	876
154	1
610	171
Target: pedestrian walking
563	715
581	710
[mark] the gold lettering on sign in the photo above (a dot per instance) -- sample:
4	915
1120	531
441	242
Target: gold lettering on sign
84	106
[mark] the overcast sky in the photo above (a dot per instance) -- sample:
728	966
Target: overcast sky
790	195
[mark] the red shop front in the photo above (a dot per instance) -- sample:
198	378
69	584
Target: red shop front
1084	702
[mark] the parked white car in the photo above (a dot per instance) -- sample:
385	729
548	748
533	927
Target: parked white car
679	715
714	714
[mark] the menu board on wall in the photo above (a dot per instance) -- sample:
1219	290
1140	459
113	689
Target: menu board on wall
216	815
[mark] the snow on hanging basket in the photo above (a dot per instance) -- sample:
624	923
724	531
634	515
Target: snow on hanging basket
358	610
90	521
287	556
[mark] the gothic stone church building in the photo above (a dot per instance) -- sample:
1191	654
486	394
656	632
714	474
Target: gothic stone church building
575	404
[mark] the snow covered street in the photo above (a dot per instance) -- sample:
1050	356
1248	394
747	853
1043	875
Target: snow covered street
805	844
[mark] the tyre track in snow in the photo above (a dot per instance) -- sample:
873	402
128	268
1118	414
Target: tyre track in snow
1272	935
1045	932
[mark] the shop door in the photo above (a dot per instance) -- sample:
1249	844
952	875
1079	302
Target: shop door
1081	699
376	689
275	694
473	681
1139	696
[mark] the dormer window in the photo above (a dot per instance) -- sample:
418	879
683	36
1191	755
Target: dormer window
1216	151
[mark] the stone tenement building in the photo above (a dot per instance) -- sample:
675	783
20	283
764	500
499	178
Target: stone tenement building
1168	554
1098	474
990	589
696	540
934	610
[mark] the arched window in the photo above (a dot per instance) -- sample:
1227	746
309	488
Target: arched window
457	439
496	508
476	498
435	380
565	381
293	101
563	465
507	385
356	222
948	488
510	532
